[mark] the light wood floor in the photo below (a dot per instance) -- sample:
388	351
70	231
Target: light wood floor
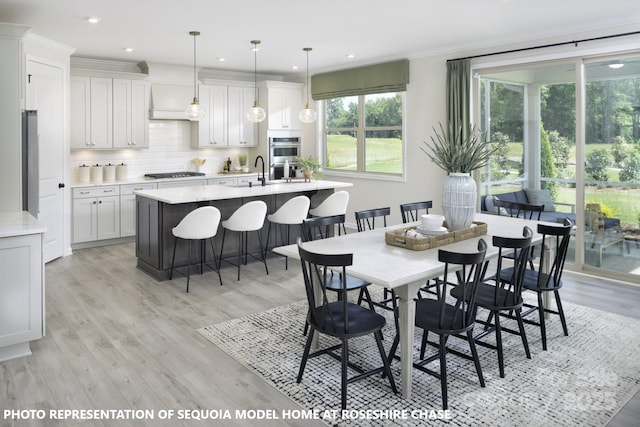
117	339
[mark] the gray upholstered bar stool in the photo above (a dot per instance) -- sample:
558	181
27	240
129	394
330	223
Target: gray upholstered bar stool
248	217
335	204
199	224
292	212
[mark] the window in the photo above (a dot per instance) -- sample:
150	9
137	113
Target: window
364	134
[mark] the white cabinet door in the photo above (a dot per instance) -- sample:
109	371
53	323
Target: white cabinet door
218	113
80	112
284	106
241	132
21	289
108	217
211	131
128	207
121	113
130	114
101	112
85	220
140	96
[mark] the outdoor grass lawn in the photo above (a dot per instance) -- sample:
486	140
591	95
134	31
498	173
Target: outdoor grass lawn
382	154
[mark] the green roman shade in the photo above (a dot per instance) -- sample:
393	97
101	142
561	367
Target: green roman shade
378	78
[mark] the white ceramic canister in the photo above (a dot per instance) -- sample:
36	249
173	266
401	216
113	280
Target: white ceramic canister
121	172
109	172
84	174
96	174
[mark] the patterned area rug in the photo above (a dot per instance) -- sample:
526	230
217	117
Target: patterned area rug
582	380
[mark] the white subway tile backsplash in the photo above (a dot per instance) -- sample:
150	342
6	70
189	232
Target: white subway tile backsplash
169	151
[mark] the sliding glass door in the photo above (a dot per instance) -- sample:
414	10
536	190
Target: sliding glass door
591	176
612	164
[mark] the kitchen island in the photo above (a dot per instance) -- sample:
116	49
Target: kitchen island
158	211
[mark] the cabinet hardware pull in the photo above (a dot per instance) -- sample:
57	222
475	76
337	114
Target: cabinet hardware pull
100	201
139	188
84	192
94	202
107	191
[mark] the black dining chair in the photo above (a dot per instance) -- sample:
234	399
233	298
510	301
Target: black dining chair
499	296
365	219
411	211
445	319
319	228
548	276
520	210
339	319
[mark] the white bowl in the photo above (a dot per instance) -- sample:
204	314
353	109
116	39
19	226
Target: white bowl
431	221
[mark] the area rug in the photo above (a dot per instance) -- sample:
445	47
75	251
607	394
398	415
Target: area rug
581	380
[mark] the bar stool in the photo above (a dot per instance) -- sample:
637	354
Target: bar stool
248	217
292	212
199	224
335	204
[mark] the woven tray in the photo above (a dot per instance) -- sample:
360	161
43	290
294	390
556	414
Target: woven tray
399	237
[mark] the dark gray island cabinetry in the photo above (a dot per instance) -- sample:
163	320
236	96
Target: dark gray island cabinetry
158	211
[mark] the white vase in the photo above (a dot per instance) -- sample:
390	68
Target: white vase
459	195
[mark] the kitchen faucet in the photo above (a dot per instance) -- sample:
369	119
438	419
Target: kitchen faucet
256	165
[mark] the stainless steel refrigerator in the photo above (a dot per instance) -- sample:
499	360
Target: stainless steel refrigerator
30	162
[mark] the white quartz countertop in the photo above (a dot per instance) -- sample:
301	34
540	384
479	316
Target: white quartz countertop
221	192
14	224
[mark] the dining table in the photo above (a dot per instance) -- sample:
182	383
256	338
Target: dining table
405	270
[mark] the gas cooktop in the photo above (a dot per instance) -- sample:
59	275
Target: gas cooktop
173	175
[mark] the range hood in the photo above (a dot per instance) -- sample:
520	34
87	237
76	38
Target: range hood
168	102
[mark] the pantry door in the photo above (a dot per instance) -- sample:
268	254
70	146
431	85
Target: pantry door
45	93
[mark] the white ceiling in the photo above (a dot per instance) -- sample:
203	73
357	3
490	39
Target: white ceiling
372	30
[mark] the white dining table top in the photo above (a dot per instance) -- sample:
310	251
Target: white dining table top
392	266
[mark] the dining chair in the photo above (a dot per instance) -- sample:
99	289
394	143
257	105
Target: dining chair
365	219
498	296
248	217
340	319
520	210
411	211
320	228
335	204
445	319
199	224
548	276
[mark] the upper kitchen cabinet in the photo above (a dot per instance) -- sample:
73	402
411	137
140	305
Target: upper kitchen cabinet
108	113
283	103
224	124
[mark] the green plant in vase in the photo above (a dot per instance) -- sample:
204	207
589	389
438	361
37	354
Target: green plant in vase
459	152
242	160
309	166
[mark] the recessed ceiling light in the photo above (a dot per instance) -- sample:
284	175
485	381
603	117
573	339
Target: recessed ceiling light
350	56
294	67
128	49
221	59
93	19
616	65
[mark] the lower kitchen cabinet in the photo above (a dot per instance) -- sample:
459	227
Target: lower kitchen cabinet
22	316
128	207
96	213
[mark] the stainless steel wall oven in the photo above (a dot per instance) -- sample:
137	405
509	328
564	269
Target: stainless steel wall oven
283	149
